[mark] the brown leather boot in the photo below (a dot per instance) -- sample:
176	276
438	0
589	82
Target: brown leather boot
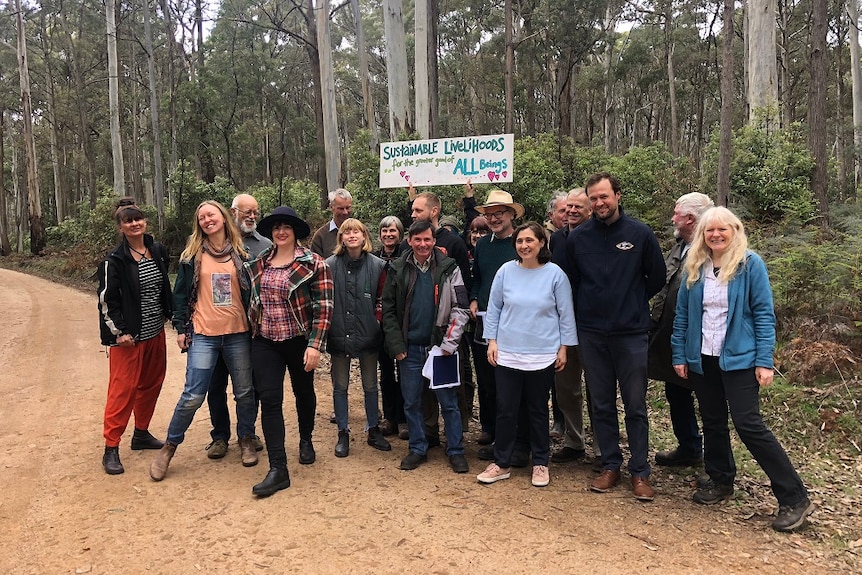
160	466
248	451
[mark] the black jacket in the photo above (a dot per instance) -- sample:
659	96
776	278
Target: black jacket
119	290
614	271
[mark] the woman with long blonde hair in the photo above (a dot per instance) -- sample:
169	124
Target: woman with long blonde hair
211	298
723	339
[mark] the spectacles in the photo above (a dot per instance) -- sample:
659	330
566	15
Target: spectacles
248	213
479	232
495	215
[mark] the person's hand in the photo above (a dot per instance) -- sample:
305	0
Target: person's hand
411	191
492	352
311	359
125	340
560	362
764	375
681	370
182	341
401	356
474	308
469	190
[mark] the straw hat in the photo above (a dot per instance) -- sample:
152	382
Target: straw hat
497	198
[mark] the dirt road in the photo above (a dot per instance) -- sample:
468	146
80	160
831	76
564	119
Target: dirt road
60	513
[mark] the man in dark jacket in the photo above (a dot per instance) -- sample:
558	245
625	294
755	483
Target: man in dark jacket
680	397
615	266
425	304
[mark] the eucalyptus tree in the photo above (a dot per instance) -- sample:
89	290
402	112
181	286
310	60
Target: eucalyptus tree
114	98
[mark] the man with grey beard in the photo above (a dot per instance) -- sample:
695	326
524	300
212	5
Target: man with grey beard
245	212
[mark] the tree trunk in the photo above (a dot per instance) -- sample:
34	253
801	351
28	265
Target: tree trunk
433	88
60	195
762	67
367	99
114	99
817	107
609	112
20	202
332	145
202	124
420	57
5	246
396	69
172	106
158	178
671	80
314	60
726	129
37	226
856	77
510	67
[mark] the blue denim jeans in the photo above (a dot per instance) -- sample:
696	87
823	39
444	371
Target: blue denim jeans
340	373
412	384
203	352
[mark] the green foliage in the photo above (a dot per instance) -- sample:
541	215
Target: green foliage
538	174
770	174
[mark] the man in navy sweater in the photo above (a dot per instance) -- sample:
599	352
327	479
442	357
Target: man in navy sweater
615	265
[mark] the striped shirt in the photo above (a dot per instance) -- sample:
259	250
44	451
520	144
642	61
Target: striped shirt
152	318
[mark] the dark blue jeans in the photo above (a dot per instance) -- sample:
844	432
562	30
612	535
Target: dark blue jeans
609	359
717	391
683	419
217	402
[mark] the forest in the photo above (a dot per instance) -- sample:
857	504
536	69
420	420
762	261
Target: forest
757	103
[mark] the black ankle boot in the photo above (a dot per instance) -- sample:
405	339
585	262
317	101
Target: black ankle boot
276	480
342	448
143	439
111	461
306	452
376	439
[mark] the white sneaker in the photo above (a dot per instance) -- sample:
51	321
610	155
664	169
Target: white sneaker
541	477
492	474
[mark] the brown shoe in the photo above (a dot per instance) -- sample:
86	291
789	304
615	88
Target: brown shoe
641	488
606	480
248	452
386	427
159	467
403	433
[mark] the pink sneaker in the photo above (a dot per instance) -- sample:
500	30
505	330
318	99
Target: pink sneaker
541	476
493	473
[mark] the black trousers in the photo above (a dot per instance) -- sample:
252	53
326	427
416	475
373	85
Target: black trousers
717	391
522	403
270	360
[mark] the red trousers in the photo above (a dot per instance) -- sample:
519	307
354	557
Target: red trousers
134	384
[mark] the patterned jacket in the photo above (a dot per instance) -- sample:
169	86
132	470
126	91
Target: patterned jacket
311	295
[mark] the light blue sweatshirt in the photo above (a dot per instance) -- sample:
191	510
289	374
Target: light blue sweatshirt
530	311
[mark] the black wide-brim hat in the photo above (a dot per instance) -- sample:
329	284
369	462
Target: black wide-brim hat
284	214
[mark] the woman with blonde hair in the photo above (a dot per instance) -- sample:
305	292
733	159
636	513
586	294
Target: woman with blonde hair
355	330
211	296
723	339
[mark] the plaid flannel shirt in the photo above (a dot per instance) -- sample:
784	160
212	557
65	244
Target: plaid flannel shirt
311	294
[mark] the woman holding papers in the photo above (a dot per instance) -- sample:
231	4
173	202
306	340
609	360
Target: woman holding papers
529	322
355	330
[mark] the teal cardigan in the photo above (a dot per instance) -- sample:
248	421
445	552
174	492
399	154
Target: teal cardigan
750	337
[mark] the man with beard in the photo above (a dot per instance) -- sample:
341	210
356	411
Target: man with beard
615	266
245	212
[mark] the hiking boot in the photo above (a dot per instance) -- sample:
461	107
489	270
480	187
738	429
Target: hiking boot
376	439
247	452
386	427
342	448
712	493
159	467
258	444
412	461
541	476
306	452
567	454
403	432
792	516
217	449
111	461
677	458
493	473
458	463
606	481
276	480
143	439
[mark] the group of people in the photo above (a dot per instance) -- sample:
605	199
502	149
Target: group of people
541	309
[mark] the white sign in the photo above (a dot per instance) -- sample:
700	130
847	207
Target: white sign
447	161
